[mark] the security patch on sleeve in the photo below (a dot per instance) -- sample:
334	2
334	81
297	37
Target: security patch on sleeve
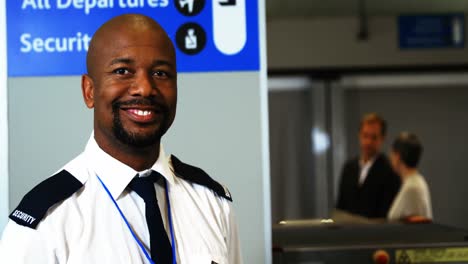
35	204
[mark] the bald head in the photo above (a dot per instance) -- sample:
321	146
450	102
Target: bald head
124	27
132	86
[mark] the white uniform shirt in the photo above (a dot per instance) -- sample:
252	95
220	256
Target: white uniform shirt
413	199
87	228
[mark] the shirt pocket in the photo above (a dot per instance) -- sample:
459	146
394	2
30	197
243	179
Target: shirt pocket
206	259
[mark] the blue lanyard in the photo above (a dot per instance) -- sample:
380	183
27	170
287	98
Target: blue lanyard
133	233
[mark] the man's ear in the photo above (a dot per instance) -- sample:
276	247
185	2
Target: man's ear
87	88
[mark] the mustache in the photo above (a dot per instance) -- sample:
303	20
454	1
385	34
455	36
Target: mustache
149	102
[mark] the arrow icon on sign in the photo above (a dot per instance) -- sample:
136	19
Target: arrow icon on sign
188	3
227	2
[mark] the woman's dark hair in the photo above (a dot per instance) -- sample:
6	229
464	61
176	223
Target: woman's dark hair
408	146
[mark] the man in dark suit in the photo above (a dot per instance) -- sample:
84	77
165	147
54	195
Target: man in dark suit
368	183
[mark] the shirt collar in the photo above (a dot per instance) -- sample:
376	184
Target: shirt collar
412	177
117	175
369	163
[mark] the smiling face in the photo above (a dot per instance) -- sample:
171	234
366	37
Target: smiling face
131	83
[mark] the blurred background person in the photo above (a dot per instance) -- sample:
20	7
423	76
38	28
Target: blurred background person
368	184
414	198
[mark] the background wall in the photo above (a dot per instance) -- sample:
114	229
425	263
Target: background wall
218	127
292	162
320	42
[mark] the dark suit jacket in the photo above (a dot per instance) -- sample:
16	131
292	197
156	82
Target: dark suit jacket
375	196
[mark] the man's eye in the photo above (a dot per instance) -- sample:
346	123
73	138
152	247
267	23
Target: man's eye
121	71
161	74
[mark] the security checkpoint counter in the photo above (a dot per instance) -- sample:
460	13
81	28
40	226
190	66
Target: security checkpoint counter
361	241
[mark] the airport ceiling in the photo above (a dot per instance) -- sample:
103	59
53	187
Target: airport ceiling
278	9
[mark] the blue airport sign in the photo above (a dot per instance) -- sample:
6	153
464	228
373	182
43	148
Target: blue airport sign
51	37
431	31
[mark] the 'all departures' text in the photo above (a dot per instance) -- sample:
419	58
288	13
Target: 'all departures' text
88	5
77	42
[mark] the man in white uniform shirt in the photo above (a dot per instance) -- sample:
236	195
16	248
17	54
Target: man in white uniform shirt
123	200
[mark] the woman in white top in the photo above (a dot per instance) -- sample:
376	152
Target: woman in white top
414	198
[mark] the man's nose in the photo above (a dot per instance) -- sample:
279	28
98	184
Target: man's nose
367	141
144	85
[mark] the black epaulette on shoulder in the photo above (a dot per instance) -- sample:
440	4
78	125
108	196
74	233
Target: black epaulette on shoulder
198	176
35	204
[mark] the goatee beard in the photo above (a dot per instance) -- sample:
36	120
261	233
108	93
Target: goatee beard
134	139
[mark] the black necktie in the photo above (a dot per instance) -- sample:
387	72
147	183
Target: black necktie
161	251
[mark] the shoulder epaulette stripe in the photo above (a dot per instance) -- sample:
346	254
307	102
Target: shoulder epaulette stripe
198	176
35	204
